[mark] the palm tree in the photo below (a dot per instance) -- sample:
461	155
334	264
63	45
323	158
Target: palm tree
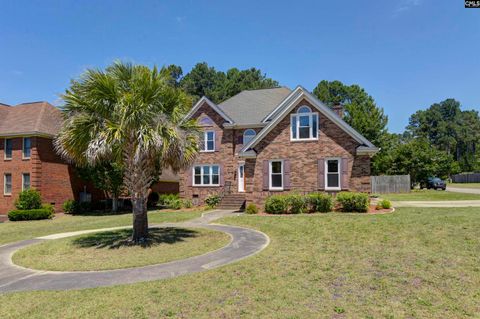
130	115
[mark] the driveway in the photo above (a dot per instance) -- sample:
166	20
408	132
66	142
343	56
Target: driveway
463	190
245	242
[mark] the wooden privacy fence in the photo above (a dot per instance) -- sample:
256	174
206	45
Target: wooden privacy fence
390	184
466	178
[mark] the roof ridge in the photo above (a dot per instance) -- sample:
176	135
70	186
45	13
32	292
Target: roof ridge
40	115
34	102
272	88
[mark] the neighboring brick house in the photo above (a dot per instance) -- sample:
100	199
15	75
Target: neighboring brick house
269	141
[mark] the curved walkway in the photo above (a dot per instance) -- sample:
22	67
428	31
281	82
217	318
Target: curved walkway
245	242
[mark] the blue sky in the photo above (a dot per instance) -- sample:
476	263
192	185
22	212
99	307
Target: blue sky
407	54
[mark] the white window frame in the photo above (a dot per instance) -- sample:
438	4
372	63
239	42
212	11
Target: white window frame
205	141
270	187
252	136
339	160
23	180
5	149
5	184
202	174
311	115
23	148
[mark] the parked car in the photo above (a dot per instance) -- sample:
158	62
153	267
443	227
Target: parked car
433	182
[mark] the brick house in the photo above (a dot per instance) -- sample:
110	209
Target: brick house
270	141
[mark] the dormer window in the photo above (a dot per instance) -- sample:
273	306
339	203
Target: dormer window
248	135
304	125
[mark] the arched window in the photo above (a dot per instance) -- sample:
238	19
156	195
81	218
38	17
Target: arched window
205	121
248	135
304	124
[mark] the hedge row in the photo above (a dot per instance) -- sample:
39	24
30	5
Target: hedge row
316	202
46	212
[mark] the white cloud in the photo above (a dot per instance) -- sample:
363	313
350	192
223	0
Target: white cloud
406	5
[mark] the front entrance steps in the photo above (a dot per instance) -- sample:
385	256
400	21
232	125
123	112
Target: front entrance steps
232	201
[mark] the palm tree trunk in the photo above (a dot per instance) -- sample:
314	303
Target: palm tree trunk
140	220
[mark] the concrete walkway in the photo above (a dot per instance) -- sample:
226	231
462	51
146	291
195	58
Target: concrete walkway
443	203
463	190
245	242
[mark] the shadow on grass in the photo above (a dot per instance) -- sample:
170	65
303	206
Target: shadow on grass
122	238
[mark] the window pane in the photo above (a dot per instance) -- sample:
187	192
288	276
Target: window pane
198	170
214	179
294	127
332	180
26	181
210	146
304	109
332	166
304	121
8	183
26	147
277	180
210	136
314	125
276	167
206	179
8	148
304	132
206	170
198	179
215	169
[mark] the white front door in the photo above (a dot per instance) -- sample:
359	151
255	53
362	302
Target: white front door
241	177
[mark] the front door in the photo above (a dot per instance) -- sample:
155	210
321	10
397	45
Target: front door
241	177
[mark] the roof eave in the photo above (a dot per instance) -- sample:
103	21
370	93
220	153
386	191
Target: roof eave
215	107
26	134
241	126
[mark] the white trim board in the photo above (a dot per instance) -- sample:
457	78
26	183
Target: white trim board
285	108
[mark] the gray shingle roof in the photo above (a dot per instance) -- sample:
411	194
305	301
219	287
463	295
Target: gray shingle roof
30	118
250	107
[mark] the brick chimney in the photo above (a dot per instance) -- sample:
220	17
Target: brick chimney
338	109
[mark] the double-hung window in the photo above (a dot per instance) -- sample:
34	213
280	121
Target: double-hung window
276	175
207	141
332	176
27	147
25	181
304	124
206	175
7	184
8	149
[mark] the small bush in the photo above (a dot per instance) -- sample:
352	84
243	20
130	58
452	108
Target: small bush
297	204
276	204
187	203
319	202
353	202
69	206
30	214
385	204
251	209
49	207
168	200
28	199
212	200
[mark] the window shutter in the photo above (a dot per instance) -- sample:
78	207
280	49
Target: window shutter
265	175
321	173
286	174
189	176
240	139
345	177
218	141
222	175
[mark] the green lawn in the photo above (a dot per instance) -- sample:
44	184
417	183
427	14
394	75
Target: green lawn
464	185
15	231
429	195
414	263
112	250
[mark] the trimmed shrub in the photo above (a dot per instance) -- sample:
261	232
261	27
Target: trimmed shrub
297	204
49	207
69	206
166	199
187	203
320	202
28	199
385	204
212	200
30	214
353	202
251	209
276	204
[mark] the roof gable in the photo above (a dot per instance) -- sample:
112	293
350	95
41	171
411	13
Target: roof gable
286	107
210	104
